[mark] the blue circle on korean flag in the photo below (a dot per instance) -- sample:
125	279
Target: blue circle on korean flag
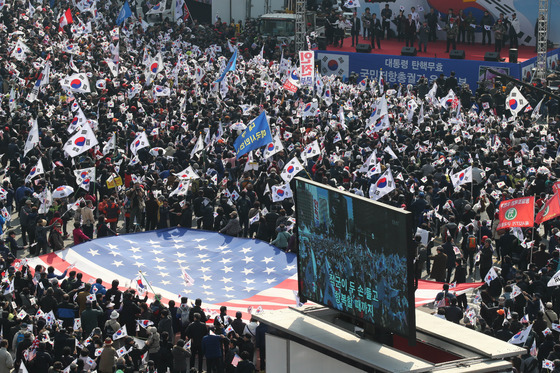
33	170
307	107
280	192
76	83
154	67
80	141
382	183
332	65
136	143
157	6
461	176
270	147
159	89
290	169
513	103
75	120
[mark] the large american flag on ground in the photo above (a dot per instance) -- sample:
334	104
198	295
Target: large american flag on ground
234	272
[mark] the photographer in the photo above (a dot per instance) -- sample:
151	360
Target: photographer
135	205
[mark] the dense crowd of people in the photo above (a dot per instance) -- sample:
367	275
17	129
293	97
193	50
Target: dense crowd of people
56	322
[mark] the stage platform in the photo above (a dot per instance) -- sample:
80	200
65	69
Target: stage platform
474	52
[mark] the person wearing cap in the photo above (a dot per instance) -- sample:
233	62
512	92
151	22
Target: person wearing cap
549	315
111	326
56	240
19	336
108	357
452	30
233	227
499	31
180	356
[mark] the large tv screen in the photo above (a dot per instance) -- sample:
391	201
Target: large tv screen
355	256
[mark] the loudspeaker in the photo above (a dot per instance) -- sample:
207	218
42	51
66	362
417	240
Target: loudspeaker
513	55
322	43
363	48
457	54
492	56
408	51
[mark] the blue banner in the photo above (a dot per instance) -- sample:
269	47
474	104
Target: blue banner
408	70
256	134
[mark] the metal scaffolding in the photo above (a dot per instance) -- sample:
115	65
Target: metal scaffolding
542	40
300	26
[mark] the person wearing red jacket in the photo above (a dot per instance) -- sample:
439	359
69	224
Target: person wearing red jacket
112	212
79	235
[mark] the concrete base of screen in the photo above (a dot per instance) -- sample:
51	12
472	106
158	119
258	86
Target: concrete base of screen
306	339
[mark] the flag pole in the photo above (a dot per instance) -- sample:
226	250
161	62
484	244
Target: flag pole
532	235
150	285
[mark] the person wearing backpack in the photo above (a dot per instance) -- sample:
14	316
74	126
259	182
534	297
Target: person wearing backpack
470	247
19	337
183	315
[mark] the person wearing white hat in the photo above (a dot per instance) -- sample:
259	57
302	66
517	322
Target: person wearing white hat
111	327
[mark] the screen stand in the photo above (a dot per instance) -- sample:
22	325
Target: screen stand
350	324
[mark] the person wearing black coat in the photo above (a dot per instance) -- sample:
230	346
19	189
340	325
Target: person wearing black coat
245	365
195	332
376	31
453	312
460	278
129	312
486	257
355	28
